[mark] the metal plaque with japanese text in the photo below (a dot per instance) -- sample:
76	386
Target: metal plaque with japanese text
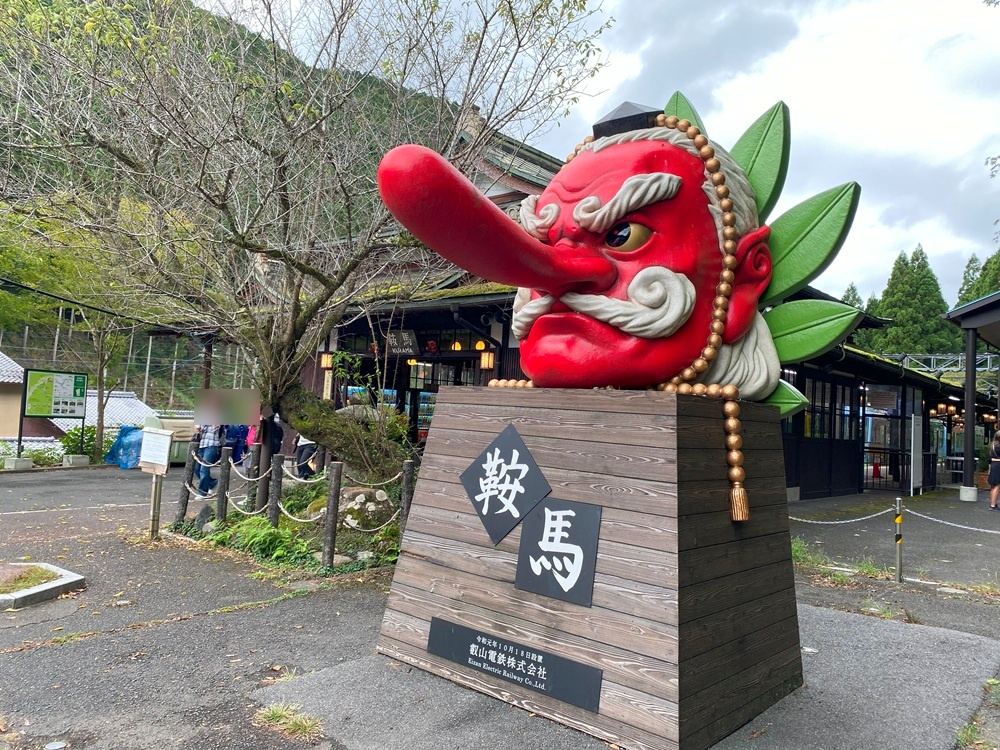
504	483
558	552
541	671
403	341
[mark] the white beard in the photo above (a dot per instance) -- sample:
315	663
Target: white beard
659	302
750	363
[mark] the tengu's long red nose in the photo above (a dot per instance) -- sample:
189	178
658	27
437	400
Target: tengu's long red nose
449	214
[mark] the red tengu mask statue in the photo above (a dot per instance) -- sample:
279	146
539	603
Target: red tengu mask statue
641	263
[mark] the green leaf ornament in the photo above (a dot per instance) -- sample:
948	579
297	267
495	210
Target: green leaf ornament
807	328
788	400
680	106
806	238
762	152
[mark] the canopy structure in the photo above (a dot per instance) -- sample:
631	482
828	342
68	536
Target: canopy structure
979	319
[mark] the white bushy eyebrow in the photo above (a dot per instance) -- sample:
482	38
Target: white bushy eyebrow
636	192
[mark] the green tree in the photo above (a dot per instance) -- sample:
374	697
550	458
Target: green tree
871	339
863	338
228	162
852	297
972	271
913	300
988	280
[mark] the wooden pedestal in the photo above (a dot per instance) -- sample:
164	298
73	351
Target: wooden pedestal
693	622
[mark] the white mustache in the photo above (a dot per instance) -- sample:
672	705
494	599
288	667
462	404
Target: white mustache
659	302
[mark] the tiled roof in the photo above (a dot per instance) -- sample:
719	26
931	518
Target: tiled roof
123	407
10	371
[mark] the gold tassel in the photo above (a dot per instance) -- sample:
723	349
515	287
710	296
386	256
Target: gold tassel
739	503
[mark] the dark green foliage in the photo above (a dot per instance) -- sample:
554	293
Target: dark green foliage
43	456
913	300
71	440
852	297
988	280
256	536
867	338
864	338
971	274
375	447
297	497
186	528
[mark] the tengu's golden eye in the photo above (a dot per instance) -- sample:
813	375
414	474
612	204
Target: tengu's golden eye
626	236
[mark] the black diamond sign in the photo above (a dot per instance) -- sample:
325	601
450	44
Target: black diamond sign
504	483
558	550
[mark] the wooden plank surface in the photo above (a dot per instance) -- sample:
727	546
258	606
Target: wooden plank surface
626	560
684	601
645	600
654	675
629	709
717	594
643	637
601	726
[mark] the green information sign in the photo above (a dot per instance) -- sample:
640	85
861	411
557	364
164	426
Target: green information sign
55	394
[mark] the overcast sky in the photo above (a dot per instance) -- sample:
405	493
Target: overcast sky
901	96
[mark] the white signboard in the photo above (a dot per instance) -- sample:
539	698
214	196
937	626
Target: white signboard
916	455
154	456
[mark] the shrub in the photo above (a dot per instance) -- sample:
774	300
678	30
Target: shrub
983	455
44	456
71	440
256	536
297	497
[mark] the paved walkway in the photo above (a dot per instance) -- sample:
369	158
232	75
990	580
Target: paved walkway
944	538
177	645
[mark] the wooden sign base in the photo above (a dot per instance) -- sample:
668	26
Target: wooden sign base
693	628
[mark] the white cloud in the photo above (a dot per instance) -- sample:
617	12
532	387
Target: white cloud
902	96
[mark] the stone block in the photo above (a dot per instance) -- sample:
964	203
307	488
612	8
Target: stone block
75	459
17	464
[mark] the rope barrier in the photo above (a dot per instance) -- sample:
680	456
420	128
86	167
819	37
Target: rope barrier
949	523
249	479
301	520
372	531
373	484
850	520
238	509
207	466
197	495
294	478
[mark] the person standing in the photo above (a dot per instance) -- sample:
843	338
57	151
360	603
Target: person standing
305	449
209	449
993	477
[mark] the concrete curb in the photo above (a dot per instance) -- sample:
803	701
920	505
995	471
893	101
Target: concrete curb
88	467
67	581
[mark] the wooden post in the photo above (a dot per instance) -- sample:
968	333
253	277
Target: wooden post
274	494
332	512
182	501
265	432
252	475
154	507
406	495
222	496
